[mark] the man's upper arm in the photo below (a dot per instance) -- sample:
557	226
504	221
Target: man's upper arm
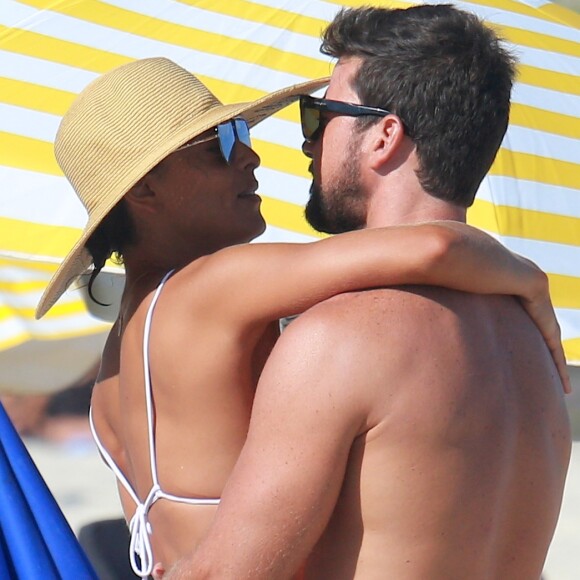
284	487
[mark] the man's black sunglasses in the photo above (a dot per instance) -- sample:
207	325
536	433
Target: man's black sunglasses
310	108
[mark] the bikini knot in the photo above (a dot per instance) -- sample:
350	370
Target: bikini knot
140	531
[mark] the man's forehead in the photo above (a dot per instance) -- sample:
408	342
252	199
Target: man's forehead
340	87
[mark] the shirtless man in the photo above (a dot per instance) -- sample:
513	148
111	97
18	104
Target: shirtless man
415	433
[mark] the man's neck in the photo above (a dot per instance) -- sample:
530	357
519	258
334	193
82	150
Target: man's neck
422	209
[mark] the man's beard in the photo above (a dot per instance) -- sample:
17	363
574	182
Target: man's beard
341	205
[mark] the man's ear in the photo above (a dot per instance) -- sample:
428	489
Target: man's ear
388	136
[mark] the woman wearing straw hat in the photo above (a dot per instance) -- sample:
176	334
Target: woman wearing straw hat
166	173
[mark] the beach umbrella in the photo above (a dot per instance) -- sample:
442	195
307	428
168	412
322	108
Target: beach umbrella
36	541
50	50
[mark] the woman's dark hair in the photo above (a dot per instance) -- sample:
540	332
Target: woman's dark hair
109	240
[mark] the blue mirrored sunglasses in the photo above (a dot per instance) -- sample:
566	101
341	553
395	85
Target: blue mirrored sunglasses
227	133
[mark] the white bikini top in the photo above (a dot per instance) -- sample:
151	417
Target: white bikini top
139	526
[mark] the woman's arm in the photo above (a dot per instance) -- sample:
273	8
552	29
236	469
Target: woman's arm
256	283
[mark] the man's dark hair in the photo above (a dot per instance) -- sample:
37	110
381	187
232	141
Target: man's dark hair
445	74
110	239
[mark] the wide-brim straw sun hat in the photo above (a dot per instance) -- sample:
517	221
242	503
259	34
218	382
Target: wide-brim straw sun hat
123	124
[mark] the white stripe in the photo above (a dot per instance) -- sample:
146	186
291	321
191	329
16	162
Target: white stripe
10	273
20	299
75	30
310	8
223	24
44	126
43	72
546	99
550	145
569	321
547	58
16	15
273	234
14	326
553	258
279	131
30	257
537	3
531	195
50	200
28	123
30	298
283	186
541	24
71	79
43	199
100	37
258	77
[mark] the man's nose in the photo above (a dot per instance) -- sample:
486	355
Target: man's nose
307	148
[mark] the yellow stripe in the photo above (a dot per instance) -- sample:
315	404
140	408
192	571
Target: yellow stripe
234	93
548	79
525	223
23	337
517	35
22	287
360	3
514	6
65	52
35	97
35	155
545	121
156	29
28	153
57	102
276	17
281	158
572	350
25	264
565	291
57	50
562	15
539	40
43	240
536	168
36	239
38	45
60	310
507	163
15	340
287	216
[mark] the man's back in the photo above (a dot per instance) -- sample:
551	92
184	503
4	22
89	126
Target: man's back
459	469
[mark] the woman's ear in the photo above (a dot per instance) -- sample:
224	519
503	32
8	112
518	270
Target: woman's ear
388	135
141	195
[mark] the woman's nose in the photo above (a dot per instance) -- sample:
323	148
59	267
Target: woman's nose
245	156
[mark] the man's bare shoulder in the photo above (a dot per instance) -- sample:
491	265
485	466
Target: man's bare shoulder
406	308
388	330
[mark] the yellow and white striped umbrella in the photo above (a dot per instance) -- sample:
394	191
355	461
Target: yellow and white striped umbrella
51	49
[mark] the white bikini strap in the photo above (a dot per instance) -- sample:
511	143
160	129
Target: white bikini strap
147	375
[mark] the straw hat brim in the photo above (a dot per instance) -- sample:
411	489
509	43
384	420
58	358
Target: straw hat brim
79	260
